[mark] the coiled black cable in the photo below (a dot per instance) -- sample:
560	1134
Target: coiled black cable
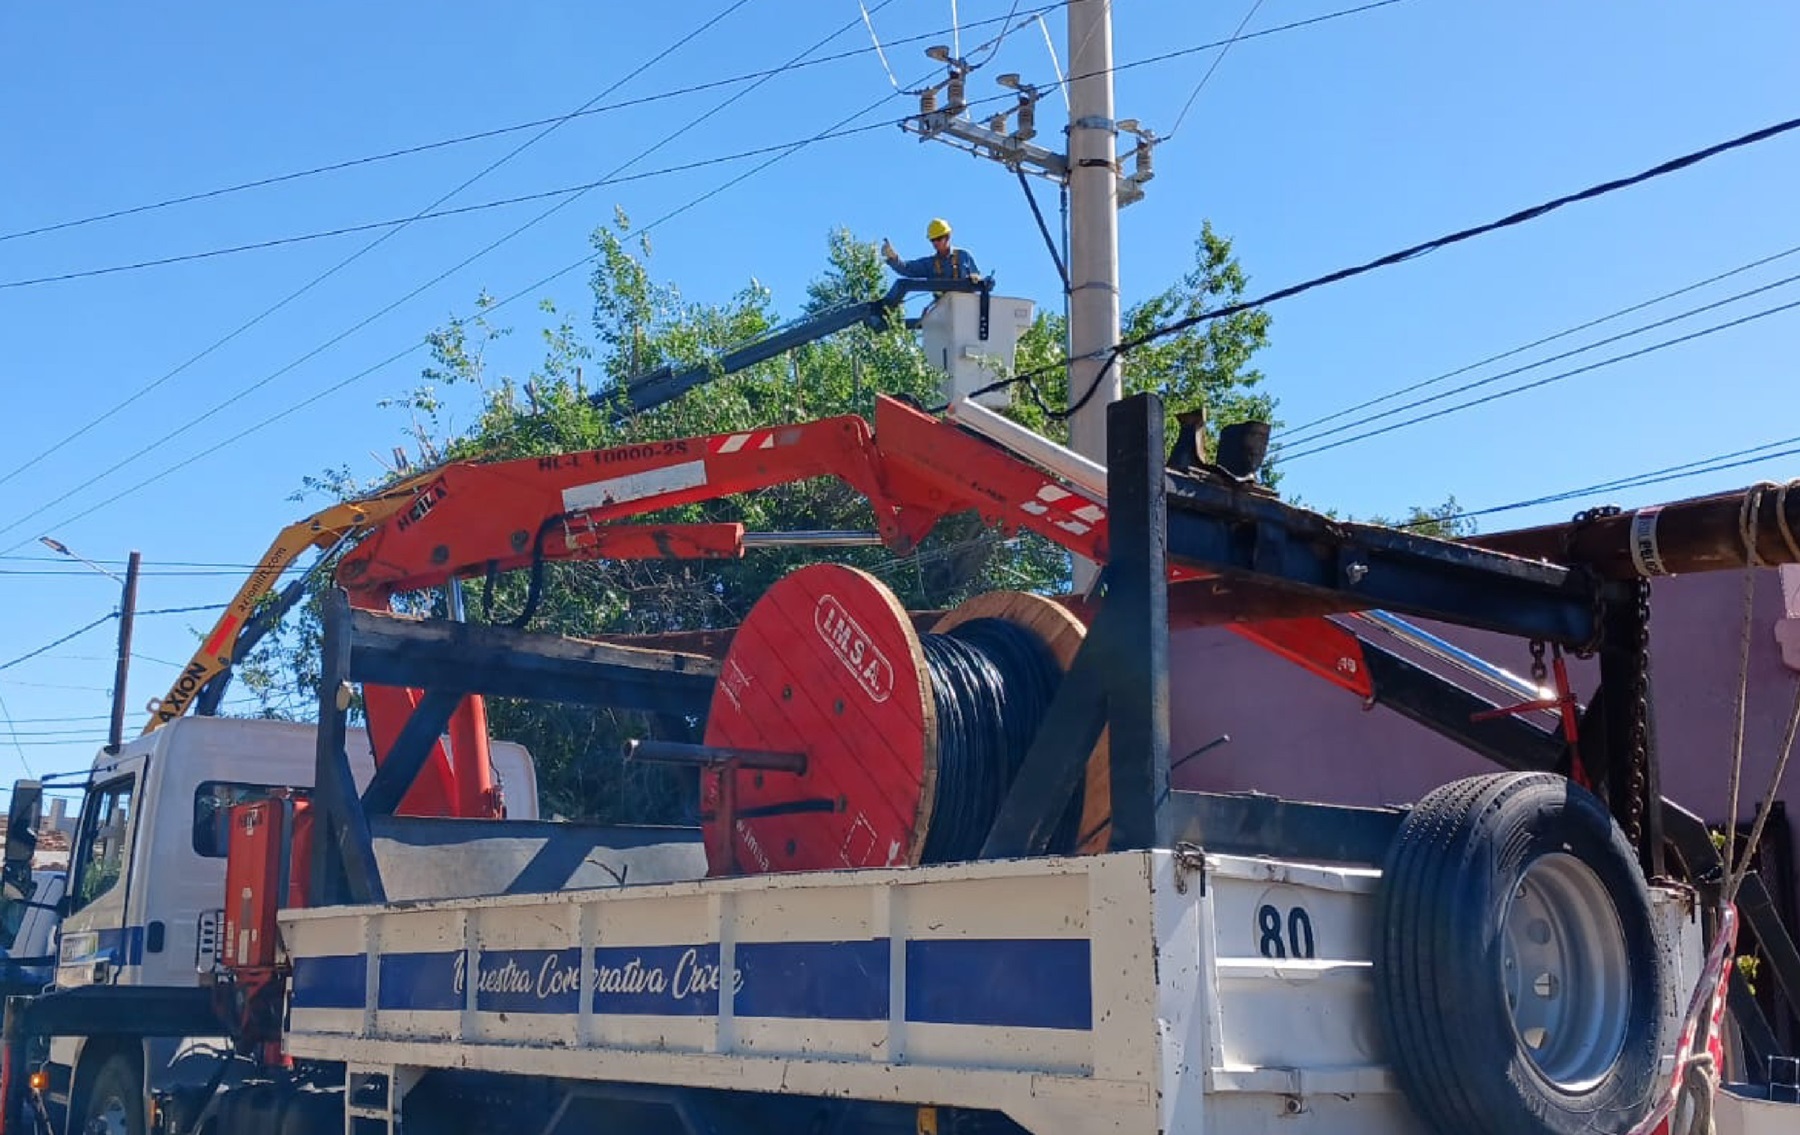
991	682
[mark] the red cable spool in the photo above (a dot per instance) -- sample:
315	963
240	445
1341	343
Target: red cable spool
828	664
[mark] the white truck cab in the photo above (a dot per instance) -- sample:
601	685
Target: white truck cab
148	861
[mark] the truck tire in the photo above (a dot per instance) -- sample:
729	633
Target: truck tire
1518	979
115	1102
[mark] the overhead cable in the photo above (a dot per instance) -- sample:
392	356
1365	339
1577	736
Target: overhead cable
482	135
1520	217
1204	79
402	353
1558	377
295	407
615	178
1285	436
196	419
76	633
1737	458
94	420
1465	387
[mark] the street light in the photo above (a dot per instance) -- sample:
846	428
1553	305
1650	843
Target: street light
127	609
62	549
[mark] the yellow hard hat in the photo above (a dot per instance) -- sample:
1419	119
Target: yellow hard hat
938	227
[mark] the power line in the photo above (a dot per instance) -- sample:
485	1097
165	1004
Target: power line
13	731
1204	79
435	214
1523	215
1717	463
1276	29
1563	334
481	135
1125	346
1559	377
197	419
396	356
540	195
1463	388
77	632
357	255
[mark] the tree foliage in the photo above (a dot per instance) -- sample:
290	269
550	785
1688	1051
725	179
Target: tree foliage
638	322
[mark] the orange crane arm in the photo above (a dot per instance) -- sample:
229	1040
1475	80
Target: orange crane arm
912	468
320	530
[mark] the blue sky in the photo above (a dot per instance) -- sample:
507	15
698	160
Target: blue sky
1312	149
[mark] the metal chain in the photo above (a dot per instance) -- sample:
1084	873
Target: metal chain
1639	738
1640	713
1538	670
1585	516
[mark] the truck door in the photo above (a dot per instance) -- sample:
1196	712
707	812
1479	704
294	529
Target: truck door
96	942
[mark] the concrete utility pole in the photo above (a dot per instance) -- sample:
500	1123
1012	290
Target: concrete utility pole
1090	170
1093	235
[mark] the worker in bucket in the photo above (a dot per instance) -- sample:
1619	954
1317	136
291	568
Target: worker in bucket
944	263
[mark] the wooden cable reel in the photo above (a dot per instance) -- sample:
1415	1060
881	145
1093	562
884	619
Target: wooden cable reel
829	665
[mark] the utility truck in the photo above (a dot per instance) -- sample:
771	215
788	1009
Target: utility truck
940	880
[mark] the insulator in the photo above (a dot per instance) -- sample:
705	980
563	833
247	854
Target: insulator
1027	120
928	100
957	83
1145	169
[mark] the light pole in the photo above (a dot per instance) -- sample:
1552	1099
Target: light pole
127	610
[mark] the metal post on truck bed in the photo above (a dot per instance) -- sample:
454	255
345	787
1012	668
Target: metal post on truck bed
1119	678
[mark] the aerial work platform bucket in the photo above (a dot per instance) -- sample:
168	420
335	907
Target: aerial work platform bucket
971	338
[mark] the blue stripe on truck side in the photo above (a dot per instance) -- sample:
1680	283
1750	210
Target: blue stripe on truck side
421	981
1043	983
835	981
335	981
1035	983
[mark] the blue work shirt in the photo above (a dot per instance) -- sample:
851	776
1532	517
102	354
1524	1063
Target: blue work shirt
957	265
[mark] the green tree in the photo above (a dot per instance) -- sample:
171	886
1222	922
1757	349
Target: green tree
1204	366
639	322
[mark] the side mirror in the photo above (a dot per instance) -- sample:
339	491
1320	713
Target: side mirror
22	819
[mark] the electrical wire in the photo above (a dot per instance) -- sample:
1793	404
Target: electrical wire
1736	459
992	46
482	135
76	633
402	353
1519	350
526	198
435	214
869	22
197	419
1204	79
95	420
459	210
1558	377
991	683
1520	217
13	732
1463	388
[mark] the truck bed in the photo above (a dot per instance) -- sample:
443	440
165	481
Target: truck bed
1133	992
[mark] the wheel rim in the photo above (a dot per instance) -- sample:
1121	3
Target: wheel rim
1565	970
